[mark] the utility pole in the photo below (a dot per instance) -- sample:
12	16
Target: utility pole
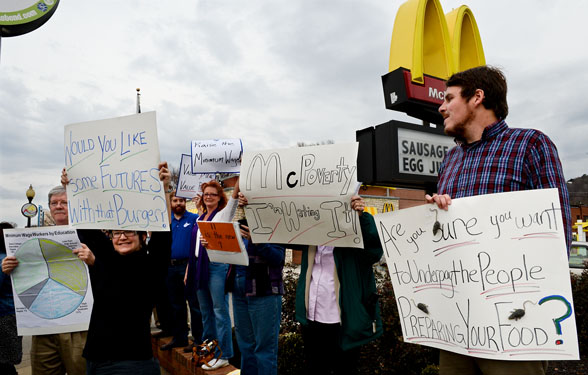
138	100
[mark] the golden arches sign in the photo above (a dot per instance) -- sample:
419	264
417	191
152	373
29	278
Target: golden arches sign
426	41
427	48
388	207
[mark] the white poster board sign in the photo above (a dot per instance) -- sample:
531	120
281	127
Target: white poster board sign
189	183
216	156
114	180
225	244
51	286
302	195
492	255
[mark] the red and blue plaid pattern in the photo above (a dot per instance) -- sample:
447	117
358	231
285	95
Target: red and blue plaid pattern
505	159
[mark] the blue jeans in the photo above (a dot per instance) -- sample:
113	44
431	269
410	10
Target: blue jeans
257	324
107	367
214	305
177	298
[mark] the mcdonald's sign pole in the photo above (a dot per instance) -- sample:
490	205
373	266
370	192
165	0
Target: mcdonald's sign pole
427	47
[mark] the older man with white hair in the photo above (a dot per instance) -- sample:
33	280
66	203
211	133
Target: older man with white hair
59	353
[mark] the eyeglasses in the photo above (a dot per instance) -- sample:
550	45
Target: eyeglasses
57	203
128	233
210	194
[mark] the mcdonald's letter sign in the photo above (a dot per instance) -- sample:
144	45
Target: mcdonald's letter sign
427	48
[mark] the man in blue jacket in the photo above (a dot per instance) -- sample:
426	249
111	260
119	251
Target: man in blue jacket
181	227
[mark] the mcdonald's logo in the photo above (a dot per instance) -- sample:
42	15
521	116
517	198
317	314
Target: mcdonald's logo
388	207
427	47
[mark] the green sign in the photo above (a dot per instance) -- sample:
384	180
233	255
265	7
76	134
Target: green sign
19	17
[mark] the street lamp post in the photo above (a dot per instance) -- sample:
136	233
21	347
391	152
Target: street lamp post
29	210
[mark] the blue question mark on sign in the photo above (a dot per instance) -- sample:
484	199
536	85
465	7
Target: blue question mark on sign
557	321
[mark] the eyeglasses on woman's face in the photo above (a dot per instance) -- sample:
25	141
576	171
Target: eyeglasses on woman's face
118	233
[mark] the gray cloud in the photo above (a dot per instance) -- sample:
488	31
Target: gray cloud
271	73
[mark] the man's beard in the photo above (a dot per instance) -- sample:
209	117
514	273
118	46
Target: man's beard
458	131
179	210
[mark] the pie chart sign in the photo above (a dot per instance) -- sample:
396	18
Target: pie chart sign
53	281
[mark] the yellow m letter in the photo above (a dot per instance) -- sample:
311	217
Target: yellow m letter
425	41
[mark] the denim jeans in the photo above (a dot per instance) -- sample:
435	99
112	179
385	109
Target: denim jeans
107	367
257	325
214	305
177	297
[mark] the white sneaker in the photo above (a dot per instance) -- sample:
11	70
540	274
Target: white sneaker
214	364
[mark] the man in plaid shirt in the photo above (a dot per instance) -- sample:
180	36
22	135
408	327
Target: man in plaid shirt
490	158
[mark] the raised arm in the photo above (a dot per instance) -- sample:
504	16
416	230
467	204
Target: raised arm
64	179
228	213
165	177
236	189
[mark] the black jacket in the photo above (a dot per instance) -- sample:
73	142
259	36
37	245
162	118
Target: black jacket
123	288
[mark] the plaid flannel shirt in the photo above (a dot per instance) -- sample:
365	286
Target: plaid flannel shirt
505	159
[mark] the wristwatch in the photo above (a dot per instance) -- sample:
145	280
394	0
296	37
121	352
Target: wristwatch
170	189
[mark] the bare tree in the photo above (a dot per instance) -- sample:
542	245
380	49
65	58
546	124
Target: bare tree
306	144
175	175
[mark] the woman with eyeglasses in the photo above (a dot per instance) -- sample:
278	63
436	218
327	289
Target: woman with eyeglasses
124	274
206	278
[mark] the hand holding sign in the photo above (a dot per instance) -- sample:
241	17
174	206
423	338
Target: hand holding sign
484	269
189	184
216	156
302	195
113	174
244	229
219	236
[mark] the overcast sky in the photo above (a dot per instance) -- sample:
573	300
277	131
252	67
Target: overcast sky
269	72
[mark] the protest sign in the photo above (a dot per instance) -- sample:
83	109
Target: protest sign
189	183
216	156
302	195
488	278
113	176
225	244
51	286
